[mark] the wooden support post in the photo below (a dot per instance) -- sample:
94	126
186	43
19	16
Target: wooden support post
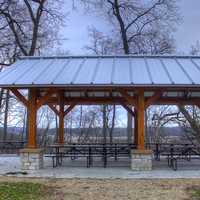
32	118
135	128
140	120
61	118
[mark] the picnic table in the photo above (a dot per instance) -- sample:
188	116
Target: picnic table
174	152
88	151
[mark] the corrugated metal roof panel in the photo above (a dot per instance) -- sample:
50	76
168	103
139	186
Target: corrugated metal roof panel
139	72
190	69
177	74
158	72
85	74
49	73
18	71
103	70
68	72
32	72
121	74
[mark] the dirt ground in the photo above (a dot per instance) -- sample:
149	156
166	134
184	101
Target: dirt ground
117	189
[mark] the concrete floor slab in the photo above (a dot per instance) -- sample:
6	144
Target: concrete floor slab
115	170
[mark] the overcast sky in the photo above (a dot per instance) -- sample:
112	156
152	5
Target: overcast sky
188	32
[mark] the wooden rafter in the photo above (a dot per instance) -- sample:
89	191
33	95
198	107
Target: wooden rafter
19	96
45	98
69	109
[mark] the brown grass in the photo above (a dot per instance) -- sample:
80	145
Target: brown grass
117	189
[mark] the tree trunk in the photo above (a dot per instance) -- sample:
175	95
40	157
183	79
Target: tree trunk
122	27
80	124
44	134
129	127
104	130
70	130
24	126
126	51
193	123
1	97
5	126
56	136
146	127
113	124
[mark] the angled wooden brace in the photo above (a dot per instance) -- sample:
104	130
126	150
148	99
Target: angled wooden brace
53	108
69	109
19	96
130	99
45	98
128	109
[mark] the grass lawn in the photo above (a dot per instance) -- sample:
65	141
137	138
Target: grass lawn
195	193
22	191
12	188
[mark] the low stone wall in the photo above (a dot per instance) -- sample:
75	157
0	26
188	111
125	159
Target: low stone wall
141	160
31	159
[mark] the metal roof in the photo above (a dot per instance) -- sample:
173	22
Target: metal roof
103	70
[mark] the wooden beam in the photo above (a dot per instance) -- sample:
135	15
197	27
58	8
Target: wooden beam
152	99
140	120
32	118
19	96
128	109
45	98
119	100
177	101
69	109
89	100
53	108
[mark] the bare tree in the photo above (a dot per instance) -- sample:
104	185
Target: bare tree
138	26
103	45
190	122
28	27
6	116
159	117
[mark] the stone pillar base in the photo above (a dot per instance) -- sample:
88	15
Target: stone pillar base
141	160
31	159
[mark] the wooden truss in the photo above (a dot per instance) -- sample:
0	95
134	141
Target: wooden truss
62	104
